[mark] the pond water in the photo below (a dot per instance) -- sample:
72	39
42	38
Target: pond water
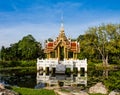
32	79
21	78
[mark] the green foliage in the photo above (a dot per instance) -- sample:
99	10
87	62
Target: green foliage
17	64
28	91
91	65
50	40
87	51
97	94
98	44
26	49
68	71
73	40
101	43
113	81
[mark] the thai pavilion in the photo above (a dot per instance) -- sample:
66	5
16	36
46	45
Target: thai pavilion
62	47
62	51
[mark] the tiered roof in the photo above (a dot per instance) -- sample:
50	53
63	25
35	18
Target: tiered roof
72	46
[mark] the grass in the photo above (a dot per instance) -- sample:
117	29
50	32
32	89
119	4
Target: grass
97	94
29	91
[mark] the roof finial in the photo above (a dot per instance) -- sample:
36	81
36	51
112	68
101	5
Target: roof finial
62	20
62	25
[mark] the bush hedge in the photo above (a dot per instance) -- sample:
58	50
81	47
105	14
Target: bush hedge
17	63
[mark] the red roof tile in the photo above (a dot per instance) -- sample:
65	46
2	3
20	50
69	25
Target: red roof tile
50	44
73	44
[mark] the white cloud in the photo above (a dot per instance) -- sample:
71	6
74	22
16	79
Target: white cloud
41	32
43	22
67	5
15	33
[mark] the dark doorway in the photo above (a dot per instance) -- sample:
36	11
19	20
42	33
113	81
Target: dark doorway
70	54
61	53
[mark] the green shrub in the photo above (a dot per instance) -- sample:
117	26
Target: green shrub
113	82
30	63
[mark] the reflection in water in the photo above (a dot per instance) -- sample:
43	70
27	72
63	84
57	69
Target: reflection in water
29	79
60	80
20	80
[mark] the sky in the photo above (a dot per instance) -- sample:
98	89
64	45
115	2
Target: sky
42	18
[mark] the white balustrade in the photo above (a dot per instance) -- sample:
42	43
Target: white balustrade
52	63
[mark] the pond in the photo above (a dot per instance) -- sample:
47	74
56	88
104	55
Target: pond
18	77
32	79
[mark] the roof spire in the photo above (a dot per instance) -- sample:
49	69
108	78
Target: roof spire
62	20
62	24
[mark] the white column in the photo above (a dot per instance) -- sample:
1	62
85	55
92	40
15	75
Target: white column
71	68
44	68
44	74
50	68
38	68
78	69
85	68
78	75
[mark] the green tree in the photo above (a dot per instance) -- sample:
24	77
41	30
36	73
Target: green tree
102	42
26	49
100	39
2	53
14	51
29	48
50	39
114	46
87	50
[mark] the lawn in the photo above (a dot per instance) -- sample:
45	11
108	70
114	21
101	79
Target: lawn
29	91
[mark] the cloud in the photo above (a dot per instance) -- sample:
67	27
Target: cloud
67	5
39	31
38	13
43	20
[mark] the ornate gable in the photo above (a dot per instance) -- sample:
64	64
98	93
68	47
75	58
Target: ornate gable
61	40
61	46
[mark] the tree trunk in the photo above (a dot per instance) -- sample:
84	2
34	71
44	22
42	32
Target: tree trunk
105	61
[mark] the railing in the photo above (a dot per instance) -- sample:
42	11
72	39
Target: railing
68	63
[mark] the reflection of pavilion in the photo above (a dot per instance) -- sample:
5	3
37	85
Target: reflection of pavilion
66	80
62	50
